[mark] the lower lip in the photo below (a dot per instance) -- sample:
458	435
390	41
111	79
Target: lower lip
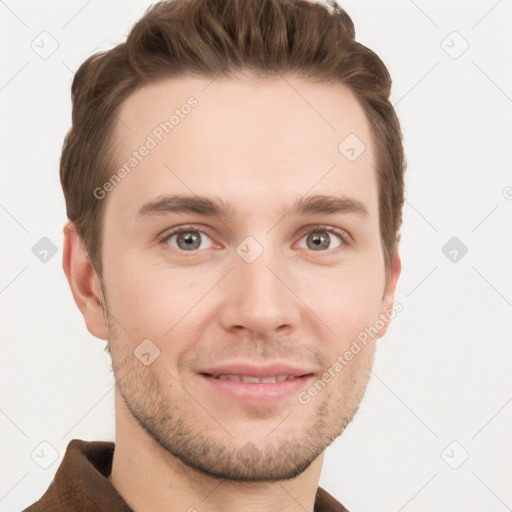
256	393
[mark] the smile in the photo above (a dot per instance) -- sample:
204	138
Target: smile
250	378
252	390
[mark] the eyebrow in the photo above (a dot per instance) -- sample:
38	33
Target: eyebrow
217	207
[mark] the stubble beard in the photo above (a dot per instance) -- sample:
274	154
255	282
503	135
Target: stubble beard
193	435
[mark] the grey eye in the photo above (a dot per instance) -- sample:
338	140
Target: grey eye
189	240
320	240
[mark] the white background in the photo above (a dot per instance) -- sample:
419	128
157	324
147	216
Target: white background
443	371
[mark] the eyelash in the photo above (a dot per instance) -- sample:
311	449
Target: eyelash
342	234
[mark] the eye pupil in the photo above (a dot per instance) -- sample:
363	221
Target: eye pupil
191	240
320	241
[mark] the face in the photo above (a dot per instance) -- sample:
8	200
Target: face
217	279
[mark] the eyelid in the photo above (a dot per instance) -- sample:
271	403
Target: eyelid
345	237
343	234
184	227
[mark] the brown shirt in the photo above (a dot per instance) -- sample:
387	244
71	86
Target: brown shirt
81	483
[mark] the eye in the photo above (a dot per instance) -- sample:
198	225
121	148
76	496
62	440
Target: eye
321	239
192	239
188	239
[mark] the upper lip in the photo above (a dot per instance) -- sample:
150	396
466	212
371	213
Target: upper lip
269	370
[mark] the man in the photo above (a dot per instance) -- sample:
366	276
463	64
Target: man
234	186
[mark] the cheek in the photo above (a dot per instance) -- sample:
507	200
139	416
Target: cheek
349	303
142	302
158	303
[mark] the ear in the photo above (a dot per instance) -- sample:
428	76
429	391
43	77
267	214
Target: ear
388	298
84	282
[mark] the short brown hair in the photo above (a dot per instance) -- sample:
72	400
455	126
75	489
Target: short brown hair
221	37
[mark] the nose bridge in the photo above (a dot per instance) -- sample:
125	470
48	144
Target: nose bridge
258	299
258	279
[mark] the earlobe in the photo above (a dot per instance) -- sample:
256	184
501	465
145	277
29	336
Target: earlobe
84	282
389	293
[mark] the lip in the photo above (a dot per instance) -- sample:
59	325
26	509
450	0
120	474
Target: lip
257	371
252	393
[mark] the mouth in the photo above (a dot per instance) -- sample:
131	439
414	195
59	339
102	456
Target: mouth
248	379
251	389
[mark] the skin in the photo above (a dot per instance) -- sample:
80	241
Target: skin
260	144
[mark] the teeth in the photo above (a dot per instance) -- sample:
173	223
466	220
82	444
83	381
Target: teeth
250	378
246	378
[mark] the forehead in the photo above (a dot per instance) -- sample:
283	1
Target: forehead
243	138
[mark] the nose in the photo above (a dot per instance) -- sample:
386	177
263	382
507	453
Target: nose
259	298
